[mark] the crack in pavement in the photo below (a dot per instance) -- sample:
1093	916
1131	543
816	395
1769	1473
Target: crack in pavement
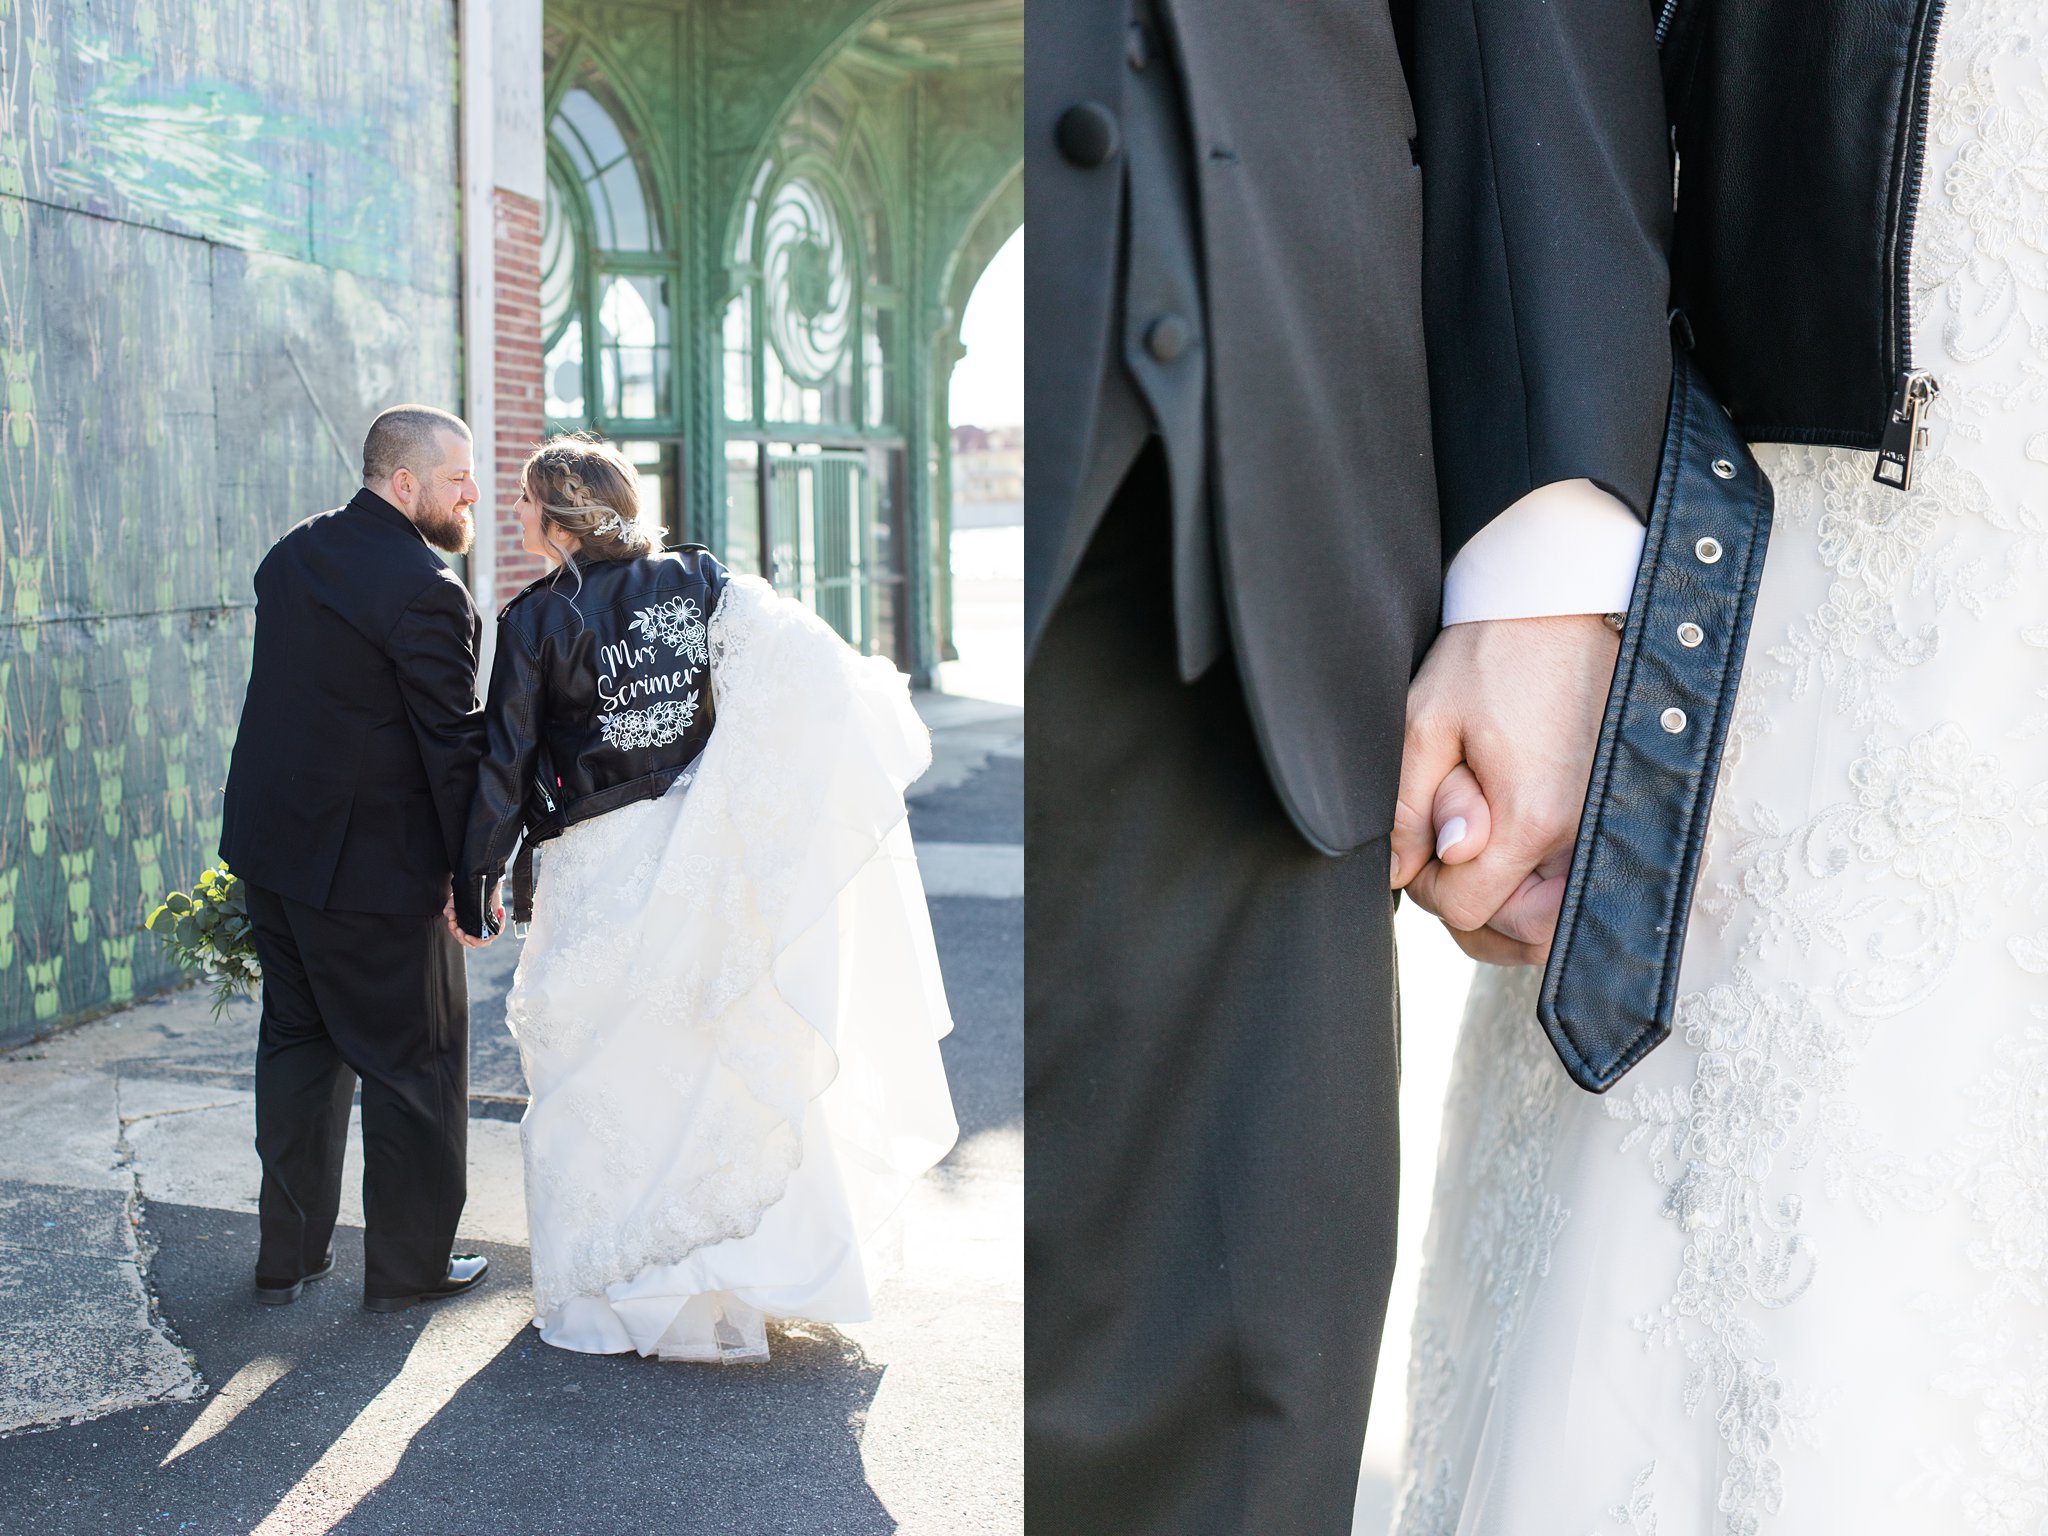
145	1247
189	1109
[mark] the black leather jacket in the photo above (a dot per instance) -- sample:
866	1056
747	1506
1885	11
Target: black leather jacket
600	696
1800	129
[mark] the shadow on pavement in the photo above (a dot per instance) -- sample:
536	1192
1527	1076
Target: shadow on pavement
982	946
446	1418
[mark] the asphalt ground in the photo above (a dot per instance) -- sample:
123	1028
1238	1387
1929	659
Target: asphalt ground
530	1439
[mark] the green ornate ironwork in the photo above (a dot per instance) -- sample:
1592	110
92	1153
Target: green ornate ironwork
828	175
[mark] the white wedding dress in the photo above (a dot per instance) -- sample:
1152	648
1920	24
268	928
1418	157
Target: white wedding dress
1790	1276
729	1009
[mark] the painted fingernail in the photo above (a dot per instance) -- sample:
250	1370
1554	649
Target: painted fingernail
1450	835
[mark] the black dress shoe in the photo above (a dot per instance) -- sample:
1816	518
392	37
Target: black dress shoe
466	1272
279	1293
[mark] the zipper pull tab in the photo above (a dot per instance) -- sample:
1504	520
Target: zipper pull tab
1906	433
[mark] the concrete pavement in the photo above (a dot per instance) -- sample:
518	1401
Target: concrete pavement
141	1389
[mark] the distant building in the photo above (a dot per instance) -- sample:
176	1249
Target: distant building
988	465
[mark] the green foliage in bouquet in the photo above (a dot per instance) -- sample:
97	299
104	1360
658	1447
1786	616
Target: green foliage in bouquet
208	933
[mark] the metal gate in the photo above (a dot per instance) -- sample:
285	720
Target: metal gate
820	535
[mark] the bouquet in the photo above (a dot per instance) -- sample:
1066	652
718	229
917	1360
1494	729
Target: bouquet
208	933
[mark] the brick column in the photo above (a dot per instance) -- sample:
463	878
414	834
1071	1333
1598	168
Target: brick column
517	362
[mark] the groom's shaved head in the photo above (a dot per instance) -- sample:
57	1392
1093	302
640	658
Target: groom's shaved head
408	437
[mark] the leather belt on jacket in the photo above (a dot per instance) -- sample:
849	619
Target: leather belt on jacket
1612	980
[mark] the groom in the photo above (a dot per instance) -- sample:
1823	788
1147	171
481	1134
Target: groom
347	797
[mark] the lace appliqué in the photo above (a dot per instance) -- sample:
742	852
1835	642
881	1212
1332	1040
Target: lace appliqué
1430	1495
1637	1514
1500	1126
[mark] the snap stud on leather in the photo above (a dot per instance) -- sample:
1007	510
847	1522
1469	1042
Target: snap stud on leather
1724	469
1673	720
1690	635
1708	549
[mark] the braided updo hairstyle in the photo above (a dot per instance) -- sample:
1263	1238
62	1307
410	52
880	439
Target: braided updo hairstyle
585	486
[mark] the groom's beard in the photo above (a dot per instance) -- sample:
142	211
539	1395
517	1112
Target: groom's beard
450	528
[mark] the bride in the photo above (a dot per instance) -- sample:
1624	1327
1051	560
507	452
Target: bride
729	1006
1791	1274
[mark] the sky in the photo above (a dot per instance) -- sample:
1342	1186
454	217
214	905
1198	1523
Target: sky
988	383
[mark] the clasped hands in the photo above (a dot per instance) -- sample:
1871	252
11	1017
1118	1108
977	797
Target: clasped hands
1503	718
490	905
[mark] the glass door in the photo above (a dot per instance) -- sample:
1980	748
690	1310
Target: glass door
659	463
819	532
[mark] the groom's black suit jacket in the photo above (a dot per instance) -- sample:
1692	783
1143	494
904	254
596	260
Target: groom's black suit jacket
357	755
1515	220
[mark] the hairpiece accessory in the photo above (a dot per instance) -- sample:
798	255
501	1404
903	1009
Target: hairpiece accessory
610	525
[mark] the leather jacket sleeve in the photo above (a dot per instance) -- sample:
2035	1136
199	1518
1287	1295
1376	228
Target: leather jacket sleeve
510	758
433	652
1546	186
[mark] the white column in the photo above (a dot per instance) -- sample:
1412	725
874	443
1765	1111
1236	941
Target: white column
479	290
521	144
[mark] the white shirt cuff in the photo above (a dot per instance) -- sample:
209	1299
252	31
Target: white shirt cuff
1566	547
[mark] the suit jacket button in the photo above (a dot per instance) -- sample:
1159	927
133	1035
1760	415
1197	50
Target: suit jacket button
1167	338
1087	134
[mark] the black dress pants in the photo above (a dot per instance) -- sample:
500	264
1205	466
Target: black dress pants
383	998
1210	1073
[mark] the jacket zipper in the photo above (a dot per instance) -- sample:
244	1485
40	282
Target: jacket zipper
1664	17
546	799
1905	432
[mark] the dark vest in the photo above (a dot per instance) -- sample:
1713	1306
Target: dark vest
1257	160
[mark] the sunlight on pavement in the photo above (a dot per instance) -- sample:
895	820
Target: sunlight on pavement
240	1390
459	1340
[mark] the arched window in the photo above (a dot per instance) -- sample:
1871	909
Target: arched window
614	187
810	330
561	319
607	331
813	452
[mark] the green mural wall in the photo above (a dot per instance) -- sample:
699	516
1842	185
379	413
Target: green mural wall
228	236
